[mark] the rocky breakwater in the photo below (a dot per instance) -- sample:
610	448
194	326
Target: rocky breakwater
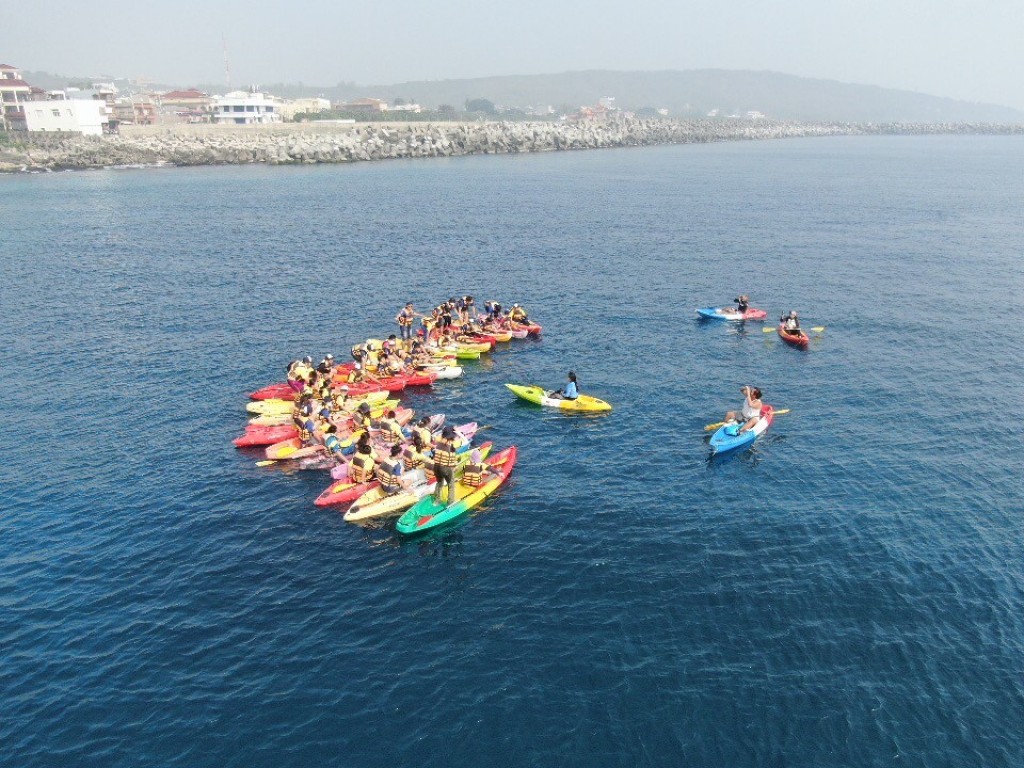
308	143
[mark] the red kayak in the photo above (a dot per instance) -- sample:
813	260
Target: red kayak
343	492
798	339
420	379
274	392
265	435
532	329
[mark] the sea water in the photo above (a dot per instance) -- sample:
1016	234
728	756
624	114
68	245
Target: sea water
848	592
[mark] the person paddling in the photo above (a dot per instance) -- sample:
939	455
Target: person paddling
791	323
570	391
742	303
750	412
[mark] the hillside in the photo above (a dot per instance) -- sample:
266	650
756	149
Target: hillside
683	93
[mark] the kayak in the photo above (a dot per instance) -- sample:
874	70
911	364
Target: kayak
277	406
469	346
540	397
274	391
518	333
531	329
343	492
292	449
445	371
427	513
421	379
728	313
798	339
265	436
722	441
375	503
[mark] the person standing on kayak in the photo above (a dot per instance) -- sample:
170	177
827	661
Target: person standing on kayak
405	321
445	458
571	391
751	410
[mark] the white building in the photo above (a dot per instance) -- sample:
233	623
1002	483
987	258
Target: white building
245	108
289	109
59	114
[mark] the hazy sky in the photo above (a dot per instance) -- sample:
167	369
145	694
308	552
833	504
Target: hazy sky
966	50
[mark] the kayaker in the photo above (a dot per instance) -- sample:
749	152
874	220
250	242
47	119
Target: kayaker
326	366
361	417
390	427
360	470
332	443
742	303
474	472
414	455
405	320
445	459
422	430
446	316
518	315
571	390
389	472
751	410
791	323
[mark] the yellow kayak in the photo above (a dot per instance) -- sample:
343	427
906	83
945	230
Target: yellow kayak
540	397
275	407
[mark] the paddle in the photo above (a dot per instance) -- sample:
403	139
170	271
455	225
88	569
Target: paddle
717	424
816	329
266	463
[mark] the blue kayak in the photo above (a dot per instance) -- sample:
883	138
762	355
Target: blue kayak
731	313
725	438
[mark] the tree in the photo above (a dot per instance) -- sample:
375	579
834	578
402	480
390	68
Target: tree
446	109
480	105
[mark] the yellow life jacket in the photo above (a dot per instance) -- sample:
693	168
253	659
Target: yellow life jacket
444	454
361	468
425	437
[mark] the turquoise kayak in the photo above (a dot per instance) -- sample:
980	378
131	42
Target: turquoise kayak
725	438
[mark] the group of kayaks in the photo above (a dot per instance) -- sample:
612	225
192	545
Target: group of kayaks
318	418
727	437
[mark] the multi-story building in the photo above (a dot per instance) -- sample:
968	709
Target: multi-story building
59	114
245	108
14	92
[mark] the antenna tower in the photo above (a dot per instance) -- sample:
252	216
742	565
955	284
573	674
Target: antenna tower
227	64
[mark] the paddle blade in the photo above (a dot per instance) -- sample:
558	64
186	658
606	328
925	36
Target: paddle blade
266	463
818	329
768	330
716	425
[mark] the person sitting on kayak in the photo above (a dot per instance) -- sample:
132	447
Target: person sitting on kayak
474	472
390	427
414	455
332	443
518	315
742	303
791	323
360	470
571	390
389	472
445	459
422	430
750	412
361	417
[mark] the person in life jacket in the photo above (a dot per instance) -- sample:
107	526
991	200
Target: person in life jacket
571	390
474	473
298	372
518	315
360	469
422	430
445	459
389	472
332	443
390	427
414	455
791	323
361	416
405	320
326	366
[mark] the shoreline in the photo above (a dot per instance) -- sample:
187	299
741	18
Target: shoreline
312	143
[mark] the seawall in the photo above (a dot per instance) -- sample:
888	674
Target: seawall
299	143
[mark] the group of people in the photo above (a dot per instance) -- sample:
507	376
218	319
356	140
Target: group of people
457	311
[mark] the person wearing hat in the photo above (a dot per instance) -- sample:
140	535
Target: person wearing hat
791	323
571	390
361	417
518	315
326	366
445	459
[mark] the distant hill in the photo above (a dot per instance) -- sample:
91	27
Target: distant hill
692	93
696	93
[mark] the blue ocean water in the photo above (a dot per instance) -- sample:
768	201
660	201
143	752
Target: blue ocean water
849	592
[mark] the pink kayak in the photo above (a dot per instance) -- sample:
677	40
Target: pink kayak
265	435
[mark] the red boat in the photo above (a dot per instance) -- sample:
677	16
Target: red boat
265	435
798	339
